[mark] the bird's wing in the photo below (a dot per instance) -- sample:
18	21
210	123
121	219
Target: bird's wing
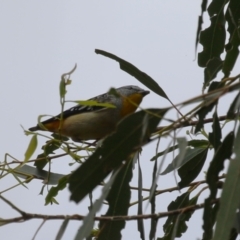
78	109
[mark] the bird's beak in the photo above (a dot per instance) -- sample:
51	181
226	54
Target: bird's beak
144	93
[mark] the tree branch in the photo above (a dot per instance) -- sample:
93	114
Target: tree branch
29	216
194	123
158	192
13	206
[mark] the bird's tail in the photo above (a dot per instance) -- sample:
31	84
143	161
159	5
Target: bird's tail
33	129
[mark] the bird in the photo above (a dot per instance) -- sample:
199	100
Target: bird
83	122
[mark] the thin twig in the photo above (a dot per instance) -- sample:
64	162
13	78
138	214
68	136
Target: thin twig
29	216
13	206
158	192
193	123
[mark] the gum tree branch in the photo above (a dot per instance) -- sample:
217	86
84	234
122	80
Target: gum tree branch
29	216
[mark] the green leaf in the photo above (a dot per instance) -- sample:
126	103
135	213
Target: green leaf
32	172
232	16
203	111
232	53
182	145
212	40
118	146
216	7
53	192
200	22
140	222
31	148
62	88
153	203
233	234
177	161
216	135
213	66
135	72
118	199
216	166
94	103
166	151
233	107
189	171
169	226
41	163
48	148
65	81
230	195
88	222
191	153
196	143
62	229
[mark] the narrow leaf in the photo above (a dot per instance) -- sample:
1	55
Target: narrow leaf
177	161
189	171
140	212
118	146
224	152
212	40
196	143
182	144
232	16
33	172
190	154
232	54
65	81
118	199
153	204
200	22
88	222
217	164
230	195
233	107
216	6
169	226
166	151
216	135
202	112
31	148
94	103
53	192
135	72
62	88
62	229
213	66
48	148
232	47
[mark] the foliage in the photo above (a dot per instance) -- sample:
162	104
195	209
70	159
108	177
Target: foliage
112	161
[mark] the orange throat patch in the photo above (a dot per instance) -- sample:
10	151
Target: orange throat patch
130	104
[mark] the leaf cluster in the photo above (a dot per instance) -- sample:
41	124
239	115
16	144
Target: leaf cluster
110	164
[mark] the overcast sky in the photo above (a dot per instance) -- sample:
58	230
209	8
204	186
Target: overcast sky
40	40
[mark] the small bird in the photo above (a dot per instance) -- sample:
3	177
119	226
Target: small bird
95	122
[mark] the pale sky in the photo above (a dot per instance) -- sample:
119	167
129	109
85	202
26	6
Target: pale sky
41	40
